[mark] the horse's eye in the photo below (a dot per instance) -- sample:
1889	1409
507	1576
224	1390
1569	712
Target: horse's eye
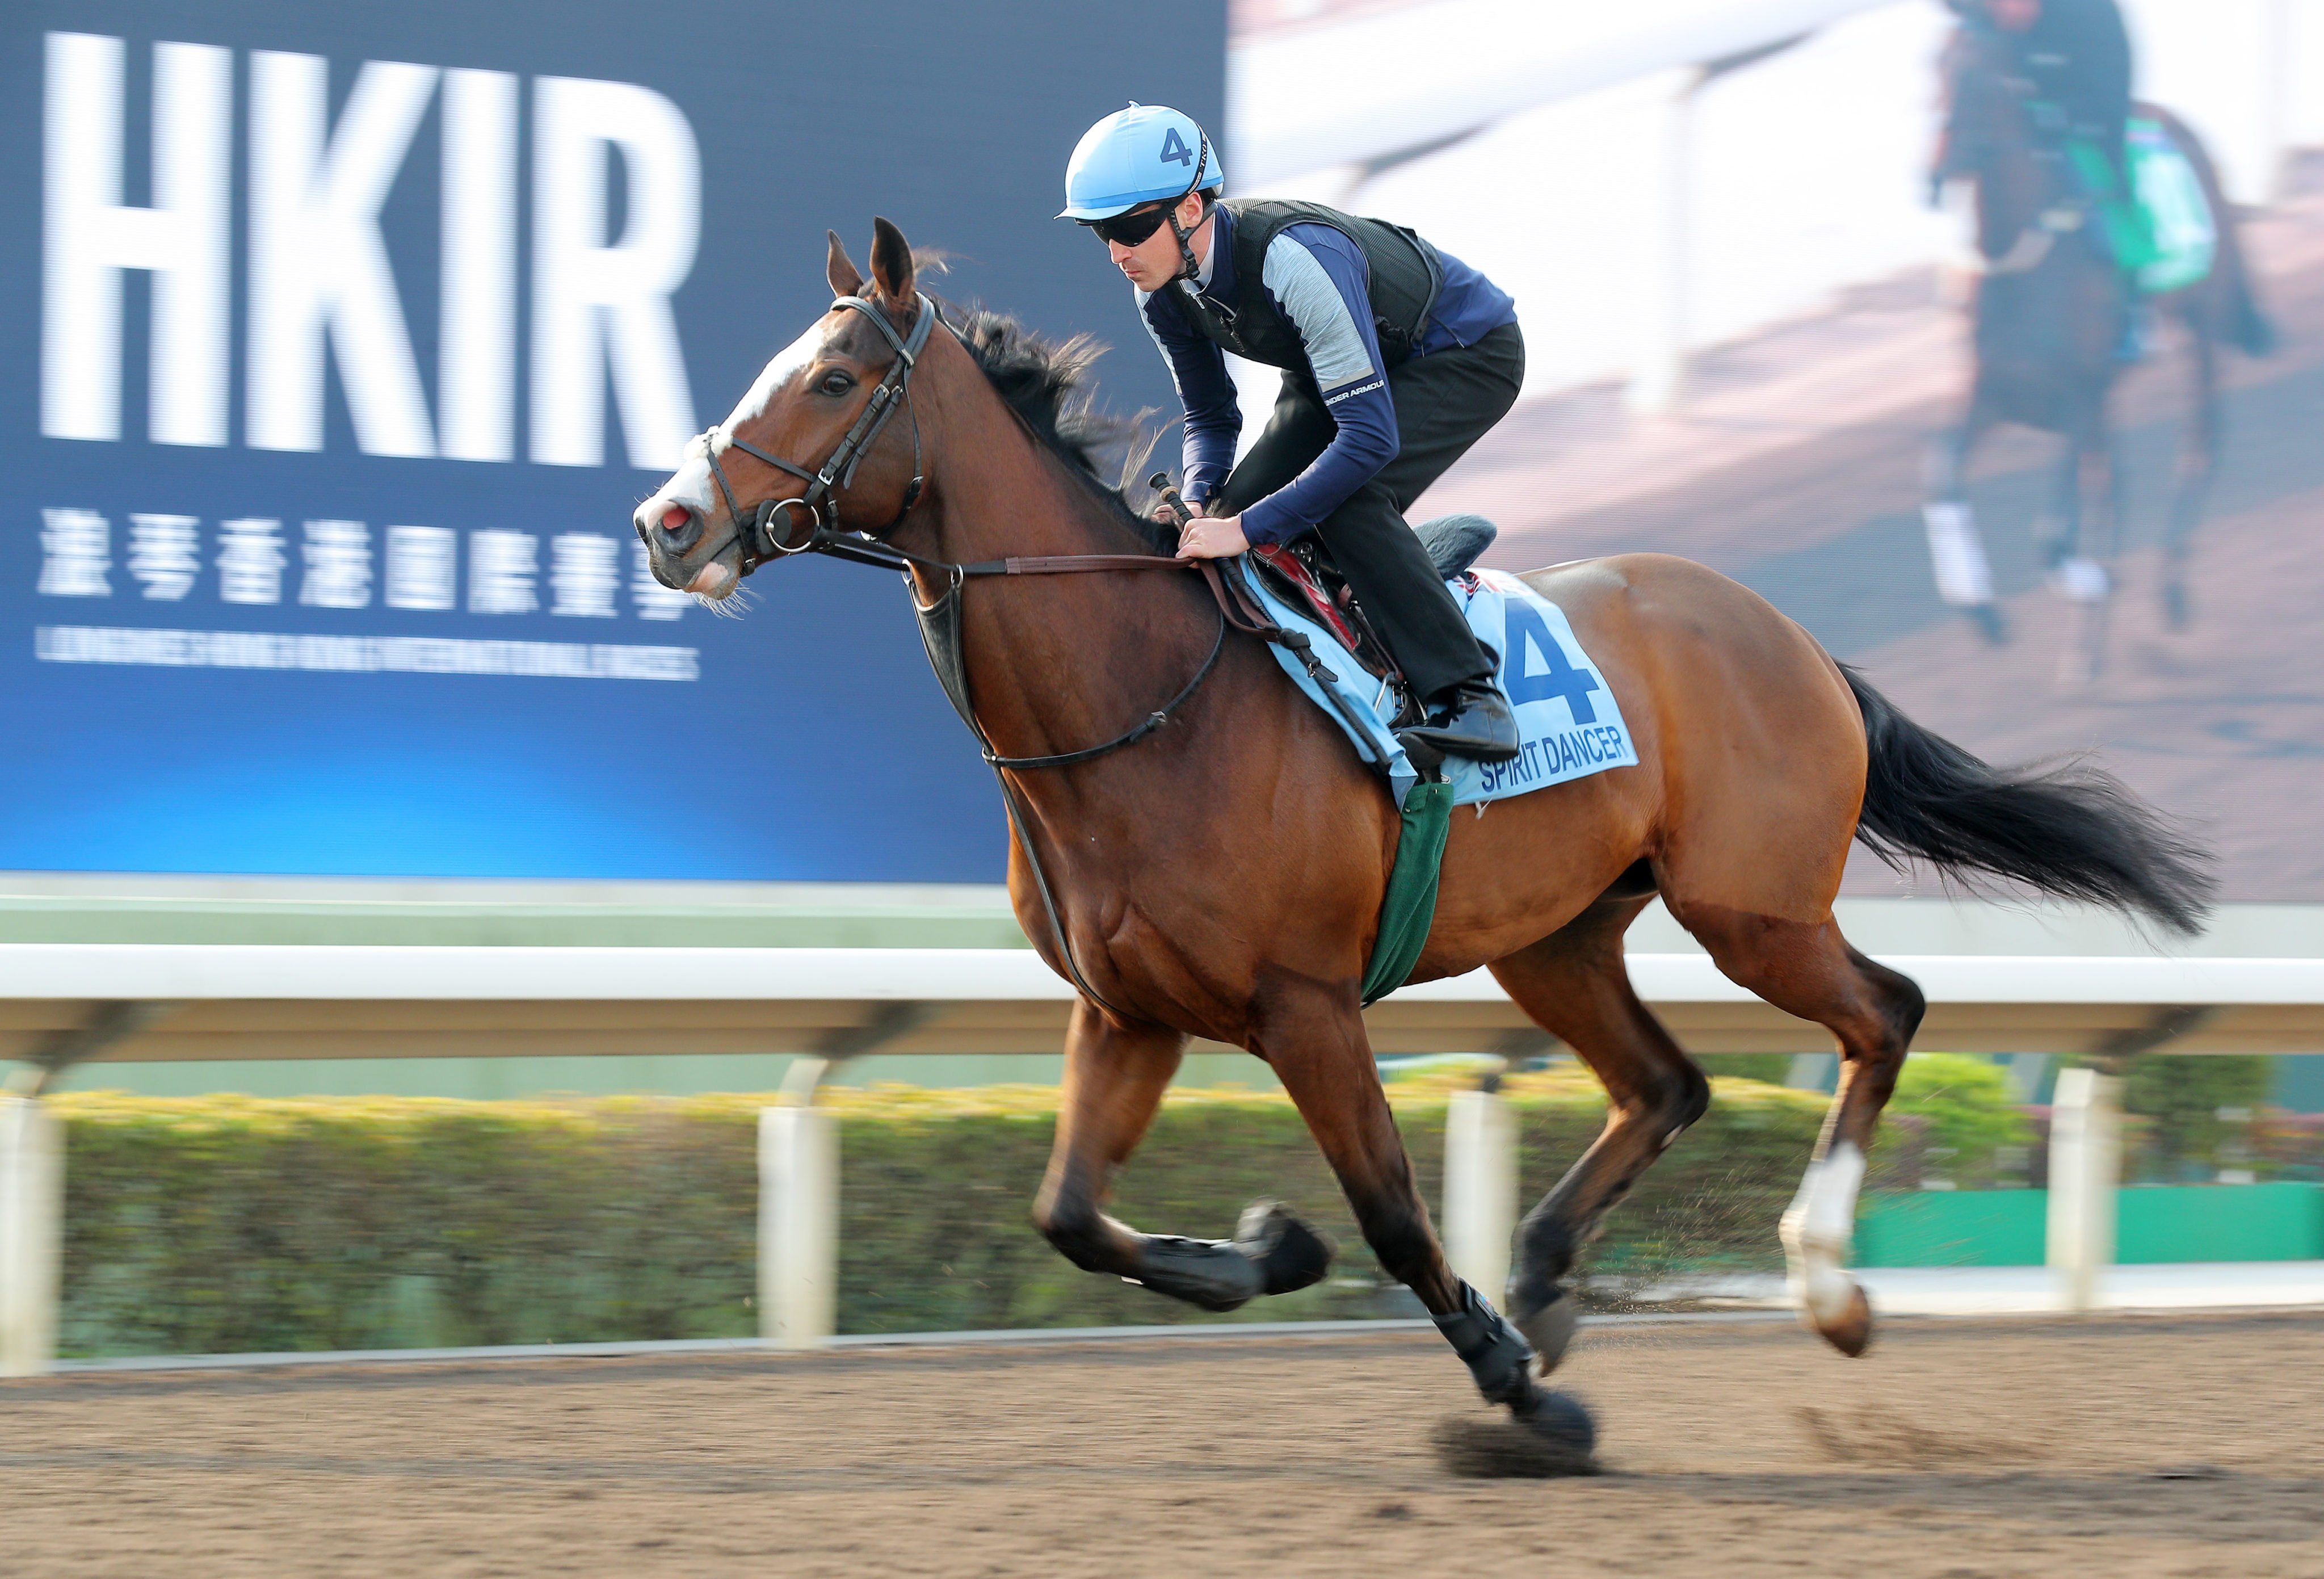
836	383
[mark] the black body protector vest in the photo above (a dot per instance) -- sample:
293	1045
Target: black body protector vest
1406	277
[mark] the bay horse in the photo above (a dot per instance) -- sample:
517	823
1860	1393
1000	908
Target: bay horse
1221	873
2047	326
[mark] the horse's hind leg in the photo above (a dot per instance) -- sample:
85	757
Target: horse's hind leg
1115	1077
2198	457
1313	1039
1809	970
1574	983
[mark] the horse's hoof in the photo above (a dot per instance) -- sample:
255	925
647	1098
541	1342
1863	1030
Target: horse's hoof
1550	1331
1851	1331
2176	614
1557	1437
1290	1254
1989	623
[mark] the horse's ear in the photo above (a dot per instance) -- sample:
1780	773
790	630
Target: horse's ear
845	278
892	263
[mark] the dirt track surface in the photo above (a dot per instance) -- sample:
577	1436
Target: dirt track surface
1953	1449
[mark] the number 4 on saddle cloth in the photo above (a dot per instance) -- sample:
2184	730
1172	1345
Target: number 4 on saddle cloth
1569	723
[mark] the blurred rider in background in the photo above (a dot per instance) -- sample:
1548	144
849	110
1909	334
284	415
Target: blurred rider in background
1395	358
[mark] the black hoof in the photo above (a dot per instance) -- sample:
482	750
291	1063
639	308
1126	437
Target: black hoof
1290	1254
1550	1330
1208	1273
1558	1437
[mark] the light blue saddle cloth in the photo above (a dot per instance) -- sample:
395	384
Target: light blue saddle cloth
1569	723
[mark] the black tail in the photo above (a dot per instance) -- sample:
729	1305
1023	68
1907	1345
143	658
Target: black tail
2072	830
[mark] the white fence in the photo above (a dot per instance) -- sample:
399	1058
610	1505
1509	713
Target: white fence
2109	997
798	1203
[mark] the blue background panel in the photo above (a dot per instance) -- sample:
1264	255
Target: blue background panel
814	744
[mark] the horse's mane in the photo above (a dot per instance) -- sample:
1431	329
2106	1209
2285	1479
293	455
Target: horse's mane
1046	381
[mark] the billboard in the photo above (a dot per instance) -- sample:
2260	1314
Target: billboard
345	339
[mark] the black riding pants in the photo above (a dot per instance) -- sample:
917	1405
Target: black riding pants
1445	402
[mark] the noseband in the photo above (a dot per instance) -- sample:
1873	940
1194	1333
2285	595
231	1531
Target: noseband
940	627
817	506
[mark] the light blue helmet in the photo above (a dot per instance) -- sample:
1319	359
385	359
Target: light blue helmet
1135	156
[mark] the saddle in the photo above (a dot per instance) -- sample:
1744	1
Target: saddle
1302	573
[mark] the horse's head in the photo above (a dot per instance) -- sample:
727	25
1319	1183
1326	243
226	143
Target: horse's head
762	480
1985	99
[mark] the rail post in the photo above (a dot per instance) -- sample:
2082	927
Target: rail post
1481	1190
1666	281
31	1235
798	1225
2085	1168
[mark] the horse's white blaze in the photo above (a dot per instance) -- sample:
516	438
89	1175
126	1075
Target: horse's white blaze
690	486
1817	1231
788	363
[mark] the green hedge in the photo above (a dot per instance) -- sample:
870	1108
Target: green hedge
226	1225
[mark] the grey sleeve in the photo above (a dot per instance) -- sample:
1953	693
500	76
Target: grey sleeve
1338	350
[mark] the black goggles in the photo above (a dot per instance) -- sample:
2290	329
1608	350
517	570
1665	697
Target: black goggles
1132	228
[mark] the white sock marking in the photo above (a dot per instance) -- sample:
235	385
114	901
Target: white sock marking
1817	1233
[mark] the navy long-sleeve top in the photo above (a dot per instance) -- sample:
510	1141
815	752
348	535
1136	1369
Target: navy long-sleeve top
1316	277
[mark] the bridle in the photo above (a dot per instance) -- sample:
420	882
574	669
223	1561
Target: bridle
1980	80
817	506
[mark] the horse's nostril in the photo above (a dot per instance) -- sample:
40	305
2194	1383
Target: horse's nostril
677	530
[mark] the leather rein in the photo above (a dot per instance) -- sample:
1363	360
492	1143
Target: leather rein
817	507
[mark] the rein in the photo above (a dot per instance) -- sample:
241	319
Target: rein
940	621
818	504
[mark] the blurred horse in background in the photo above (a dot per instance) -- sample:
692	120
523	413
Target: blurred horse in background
1205	857
2050	315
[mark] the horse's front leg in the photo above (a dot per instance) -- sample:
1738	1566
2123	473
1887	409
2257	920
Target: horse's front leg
1115	1076
1314	1037
1956	548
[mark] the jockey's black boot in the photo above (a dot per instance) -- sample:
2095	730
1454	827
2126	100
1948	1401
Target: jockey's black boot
1470	720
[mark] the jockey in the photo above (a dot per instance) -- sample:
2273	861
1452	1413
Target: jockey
1395	358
